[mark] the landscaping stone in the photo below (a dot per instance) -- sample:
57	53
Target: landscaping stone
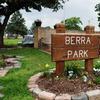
31	83
10	59
9	67
35	77
79	96
32	86
46	95
17	65
31	89
36	91
3	72
43	95
36	99
12	63
93	95
1	95
63	97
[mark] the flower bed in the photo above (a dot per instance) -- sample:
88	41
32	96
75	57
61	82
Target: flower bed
42	88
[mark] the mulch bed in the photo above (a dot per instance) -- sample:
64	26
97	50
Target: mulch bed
64	85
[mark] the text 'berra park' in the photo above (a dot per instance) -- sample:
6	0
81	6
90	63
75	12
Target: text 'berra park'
74	47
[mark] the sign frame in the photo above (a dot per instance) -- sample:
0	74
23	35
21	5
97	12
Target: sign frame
85	42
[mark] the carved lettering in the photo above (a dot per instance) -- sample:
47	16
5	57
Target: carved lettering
78	40
77	54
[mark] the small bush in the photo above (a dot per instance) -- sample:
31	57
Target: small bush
97	80
97	65
73	70
47	74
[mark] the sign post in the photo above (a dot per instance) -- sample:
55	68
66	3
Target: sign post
60	28
89	62
74	47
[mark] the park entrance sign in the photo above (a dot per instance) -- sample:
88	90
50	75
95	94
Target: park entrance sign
74	47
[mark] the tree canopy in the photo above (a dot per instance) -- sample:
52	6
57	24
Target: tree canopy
10	6
35	24
98	10
73	23
17	25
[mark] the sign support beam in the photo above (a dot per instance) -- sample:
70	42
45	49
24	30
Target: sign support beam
60	28
89	62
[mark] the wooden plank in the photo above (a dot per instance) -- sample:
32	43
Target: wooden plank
74	47
59	40
63	54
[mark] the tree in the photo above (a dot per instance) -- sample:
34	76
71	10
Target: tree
33	26
8	7
73	23
36	23
97	7
17	25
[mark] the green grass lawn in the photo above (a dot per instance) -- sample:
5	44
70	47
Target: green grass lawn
11	42
33	61
15	82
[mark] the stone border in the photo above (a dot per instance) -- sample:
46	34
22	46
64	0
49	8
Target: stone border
15	64
40	94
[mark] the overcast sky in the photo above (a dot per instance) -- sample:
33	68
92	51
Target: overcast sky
85	9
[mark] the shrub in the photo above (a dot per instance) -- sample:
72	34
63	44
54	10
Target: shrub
97	80
73	70
97	65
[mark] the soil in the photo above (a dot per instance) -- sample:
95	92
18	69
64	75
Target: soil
64	85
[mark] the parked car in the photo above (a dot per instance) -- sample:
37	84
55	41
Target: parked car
28	39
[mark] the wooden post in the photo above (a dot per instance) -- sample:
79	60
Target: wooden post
89	62
60	28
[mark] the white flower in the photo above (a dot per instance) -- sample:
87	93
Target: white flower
85	78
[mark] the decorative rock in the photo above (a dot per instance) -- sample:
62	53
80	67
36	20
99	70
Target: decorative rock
1	95
36	91
32	86
35	77
3	72
79	96
31	89
31	83
46	95
36	99
10	59
17	65
12	63
63	97
43	95
93	95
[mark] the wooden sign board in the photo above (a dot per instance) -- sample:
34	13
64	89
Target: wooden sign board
74	47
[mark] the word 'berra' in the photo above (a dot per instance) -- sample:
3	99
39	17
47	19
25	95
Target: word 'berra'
73	40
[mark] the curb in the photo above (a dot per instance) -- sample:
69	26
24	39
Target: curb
44	95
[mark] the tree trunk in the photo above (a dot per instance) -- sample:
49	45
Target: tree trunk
1	36
1	41
2	28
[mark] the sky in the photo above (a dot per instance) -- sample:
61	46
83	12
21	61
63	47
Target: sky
85	9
